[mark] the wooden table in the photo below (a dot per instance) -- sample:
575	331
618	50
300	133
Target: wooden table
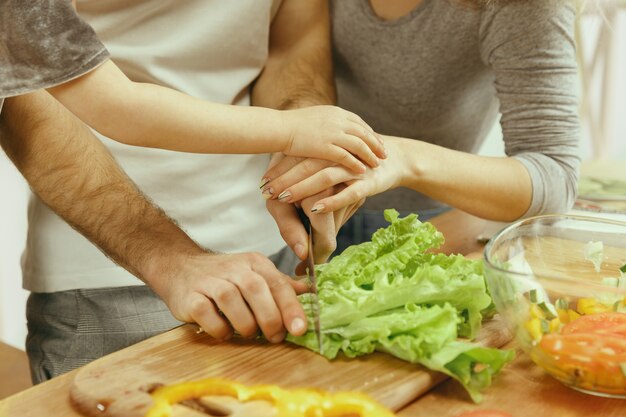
522	389
14	374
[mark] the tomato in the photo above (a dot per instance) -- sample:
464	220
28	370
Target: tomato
586	360
611	323
484	413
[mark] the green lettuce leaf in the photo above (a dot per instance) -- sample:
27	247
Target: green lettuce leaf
392	295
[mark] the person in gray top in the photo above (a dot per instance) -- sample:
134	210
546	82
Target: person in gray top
441	72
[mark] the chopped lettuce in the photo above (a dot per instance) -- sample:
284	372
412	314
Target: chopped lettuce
391	295
594	252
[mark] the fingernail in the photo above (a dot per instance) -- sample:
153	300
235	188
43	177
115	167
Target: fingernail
384	152
277	338
317	207
267	193
380	138
284	195
300	250
298	325
363	168
264	182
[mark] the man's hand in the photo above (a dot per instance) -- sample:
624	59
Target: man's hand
325	226
240	292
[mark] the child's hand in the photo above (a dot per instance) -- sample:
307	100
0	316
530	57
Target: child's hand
333	134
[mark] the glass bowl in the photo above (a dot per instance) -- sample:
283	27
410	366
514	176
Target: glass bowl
559	281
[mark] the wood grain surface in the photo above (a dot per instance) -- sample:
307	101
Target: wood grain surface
14	372
117	383
522	390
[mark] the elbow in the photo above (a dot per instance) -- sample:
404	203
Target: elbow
555	187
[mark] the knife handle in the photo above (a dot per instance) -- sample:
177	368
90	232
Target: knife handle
306	222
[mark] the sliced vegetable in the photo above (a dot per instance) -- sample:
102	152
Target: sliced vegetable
594	252
591	306
288	403
548	310
391	295
584	360
484	413
610	322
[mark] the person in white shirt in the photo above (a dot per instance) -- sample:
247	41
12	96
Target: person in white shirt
83	305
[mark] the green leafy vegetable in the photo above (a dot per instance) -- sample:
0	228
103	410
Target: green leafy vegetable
391	295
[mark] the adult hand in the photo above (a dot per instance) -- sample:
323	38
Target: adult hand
325	226
240	292
294	180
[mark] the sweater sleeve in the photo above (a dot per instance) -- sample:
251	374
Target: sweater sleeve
530	47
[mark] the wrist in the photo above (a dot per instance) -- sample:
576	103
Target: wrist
162	270
399	151
286	134
414	166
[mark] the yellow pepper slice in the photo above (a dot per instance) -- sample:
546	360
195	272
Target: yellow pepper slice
288	403
591	306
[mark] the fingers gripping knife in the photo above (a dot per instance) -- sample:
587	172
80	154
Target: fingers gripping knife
312	279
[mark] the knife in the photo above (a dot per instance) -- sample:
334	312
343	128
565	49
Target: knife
310	270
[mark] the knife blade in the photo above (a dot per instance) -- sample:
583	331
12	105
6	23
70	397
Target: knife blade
312	278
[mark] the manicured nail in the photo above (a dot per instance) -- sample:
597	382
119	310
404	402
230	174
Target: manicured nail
264	182
300	250
317	207
298	325
267	193
284	195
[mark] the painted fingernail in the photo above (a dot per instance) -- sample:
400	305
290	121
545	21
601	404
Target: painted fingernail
317	207
264	182
298	325
284	195
267	193
300	250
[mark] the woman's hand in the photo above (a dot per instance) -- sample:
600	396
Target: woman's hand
333	134
293	180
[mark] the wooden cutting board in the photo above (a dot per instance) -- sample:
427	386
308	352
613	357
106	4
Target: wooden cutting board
116	384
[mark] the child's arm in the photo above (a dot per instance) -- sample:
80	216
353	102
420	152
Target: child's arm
153	116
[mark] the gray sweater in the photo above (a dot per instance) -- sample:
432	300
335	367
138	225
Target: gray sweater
445	72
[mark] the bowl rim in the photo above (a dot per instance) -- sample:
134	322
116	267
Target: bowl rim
517	223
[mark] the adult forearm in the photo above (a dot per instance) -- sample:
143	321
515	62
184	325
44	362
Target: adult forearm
298	72
73	173
489	187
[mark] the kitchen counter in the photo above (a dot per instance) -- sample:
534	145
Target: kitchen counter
14	373
521	390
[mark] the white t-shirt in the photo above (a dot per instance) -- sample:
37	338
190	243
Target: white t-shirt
209	49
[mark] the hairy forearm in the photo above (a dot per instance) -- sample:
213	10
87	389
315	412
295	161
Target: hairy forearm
288	83
298	72
74	174
149	115
488	187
